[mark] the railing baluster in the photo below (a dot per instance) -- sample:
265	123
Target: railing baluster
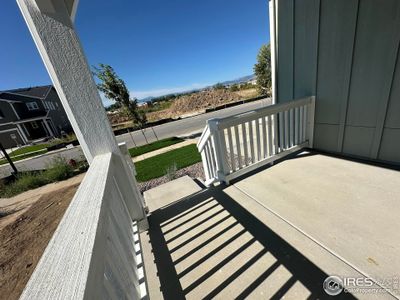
270	141
301	125
251	141
205	165
281	134
276	139
245	146
296	126
305	123
239	153
231	151
257	122
264	133
210	159
286	113
213	157
291	129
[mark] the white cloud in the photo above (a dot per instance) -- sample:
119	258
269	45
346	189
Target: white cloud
166	91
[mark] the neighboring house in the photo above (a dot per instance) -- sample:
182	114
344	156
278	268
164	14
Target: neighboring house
31	114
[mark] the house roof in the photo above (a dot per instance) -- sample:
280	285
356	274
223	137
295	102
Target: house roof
37	91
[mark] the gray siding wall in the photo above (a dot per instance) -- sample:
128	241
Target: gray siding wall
58	116
9	115
346	53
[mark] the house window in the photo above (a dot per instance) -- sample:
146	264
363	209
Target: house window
34	125
45	105
52	105
1	114
32	106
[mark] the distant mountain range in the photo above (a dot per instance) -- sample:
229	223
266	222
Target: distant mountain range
239	80
229	82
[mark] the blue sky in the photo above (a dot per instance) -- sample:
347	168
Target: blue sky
156	46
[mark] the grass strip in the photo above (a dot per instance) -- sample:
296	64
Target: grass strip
158	165
154	146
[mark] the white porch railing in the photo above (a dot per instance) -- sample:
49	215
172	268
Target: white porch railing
94	252
233	146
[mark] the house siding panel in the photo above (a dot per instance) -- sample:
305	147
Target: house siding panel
358	43
9	115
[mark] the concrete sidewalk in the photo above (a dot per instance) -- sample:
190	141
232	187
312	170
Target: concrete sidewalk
165	149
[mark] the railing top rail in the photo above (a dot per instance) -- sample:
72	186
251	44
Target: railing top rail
260	112
203	138
64	268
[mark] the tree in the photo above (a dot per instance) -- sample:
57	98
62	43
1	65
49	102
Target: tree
262	70
114	88
219	86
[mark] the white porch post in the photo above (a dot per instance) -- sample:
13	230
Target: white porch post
51	133
22	133
51	27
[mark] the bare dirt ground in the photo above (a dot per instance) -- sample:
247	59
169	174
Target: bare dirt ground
186	104
25	233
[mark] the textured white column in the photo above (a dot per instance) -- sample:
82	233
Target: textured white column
62	54
52	30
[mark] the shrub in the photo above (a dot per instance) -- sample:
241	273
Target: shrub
23	183
58	170
170	171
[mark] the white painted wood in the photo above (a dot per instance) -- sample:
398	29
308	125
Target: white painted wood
305	120
220	149
276	141
263	111
286	126
213	156
270	138
265	161
238	152
263	144
296	125
311	122
257	123
251	139
22	133
203	138
291	129
281	134
205	165
301	125
92	243
210	156
245	145
53	32
265	137
231	151
59	47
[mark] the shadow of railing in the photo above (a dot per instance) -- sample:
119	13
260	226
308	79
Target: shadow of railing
208	216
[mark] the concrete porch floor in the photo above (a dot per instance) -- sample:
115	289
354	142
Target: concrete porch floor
276	234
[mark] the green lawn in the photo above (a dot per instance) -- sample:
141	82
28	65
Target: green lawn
154	146
28	149
156	166
27	155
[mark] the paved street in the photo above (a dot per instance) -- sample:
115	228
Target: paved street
178	128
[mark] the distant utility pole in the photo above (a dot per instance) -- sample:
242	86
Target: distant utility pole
8	158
